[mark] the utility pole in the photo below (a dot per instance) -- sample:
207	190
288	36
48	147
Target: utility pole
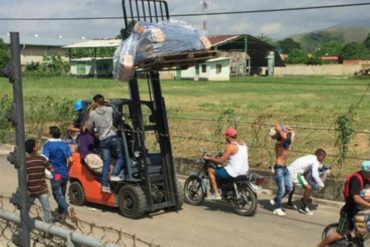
16	116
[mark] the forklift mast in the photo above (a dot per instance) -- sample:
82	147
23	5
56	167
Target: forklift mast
150	11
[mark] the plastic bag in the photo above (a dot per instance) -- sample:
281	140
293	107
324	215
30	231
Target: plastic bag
149	40
362	221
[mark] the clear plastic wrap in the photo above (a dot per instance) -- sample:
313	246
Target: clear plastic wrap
150	40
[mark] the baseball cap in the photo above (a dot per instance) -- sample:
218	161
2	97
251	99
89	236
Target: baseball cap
230	132
365	166
77	105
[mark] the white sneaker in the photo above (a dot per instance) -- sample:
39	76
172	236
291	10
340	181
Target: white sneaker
305	210
279	212
272	202
216	197
72	214
116	178
106	189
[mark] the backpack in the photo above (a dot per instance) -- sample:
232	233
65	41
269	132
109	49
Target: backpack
346	189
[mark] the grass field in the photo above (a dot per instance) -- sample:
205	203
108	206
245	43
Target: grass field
310	104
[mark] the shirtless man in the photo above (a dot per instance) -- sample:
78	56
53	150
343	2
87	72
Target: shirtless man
283	137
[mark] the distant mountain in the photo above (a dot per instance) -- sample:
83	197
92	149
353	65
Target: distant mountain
349	32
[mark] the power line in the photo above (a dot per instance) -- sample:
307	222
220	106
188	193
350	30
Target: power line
187	15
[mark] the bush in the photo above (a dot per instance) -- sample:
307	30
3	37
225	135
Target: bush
4	54
51	66
41	112
5	125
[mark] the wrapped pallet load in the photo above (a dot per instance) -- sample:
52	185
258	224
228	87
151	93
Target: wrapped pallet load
362	221
150	40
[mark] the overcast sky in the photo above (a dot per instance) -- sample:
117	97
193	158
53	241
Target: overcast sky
276	25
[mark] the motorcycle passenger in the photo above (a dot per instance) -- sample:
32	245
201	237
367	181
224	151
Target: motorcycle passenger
236	152
354	203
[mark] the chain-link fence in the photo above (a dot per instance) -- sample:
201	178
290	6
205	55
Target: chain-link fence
106	235
190	134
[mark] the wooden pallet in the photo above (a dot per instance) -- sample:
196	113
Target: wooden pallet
182	60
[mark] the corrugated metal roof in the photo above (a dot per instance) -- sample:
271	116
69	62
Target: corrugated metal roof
95	43
218	59
217	39
41	41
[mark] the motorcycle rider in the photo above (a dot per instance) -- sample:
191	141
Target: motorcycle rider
236	152
353	204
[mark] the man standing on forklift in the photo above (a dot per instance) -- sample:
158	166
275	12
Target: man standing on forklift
100	122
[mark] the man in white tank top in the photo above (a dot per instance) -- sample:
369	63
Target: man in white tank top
236	152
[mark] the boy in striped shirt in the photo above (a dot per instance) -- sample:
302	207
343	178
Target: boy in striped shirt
37	188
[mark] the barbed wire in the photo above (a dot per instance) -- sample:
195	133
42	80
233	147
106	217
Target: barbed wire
38	238
264	124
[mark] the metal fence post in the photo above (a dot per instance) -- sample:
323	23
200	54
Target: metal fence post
17	115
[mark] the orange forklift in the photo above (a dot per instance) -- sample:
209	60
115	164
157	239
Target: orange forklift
150	182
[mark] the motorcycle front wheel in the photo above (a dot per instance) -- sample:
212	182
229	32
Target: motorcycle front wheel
194	193
247	203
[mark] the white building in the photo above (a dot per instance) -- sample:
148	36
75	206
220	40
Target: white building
86	66
33	49
217	69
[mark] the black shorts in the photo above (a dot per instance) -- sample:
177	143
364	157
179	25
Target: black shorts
345	223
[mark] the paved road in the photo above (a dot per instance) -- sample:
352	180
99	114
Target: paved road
211	224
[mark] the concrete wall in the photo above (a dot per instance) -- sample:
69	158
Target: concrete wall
239	62
37	53
318	70
223	75
332	191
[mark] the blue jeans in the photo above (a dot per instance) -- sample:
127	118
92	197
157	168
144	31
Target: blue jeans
311	181
284	183
108	146
59	193
44	201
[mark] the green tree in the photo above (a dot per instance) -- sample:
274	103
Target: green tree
288	45
367	42
330	48
297	56
312	41
313	60
4	54
354	50
90	52
266	39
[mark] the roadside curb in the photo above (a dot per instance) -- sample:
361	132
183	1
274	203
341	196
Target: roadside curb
5	149
270	193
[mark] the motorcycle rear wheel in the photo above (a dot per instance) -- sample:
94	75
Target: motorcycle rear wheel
194	193
246	205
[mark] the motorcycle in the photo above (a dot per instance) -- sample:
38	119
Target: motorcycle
240	192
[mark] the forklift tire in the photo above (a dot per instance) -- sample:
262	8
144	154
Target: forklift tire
180	198
132	201
76	194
